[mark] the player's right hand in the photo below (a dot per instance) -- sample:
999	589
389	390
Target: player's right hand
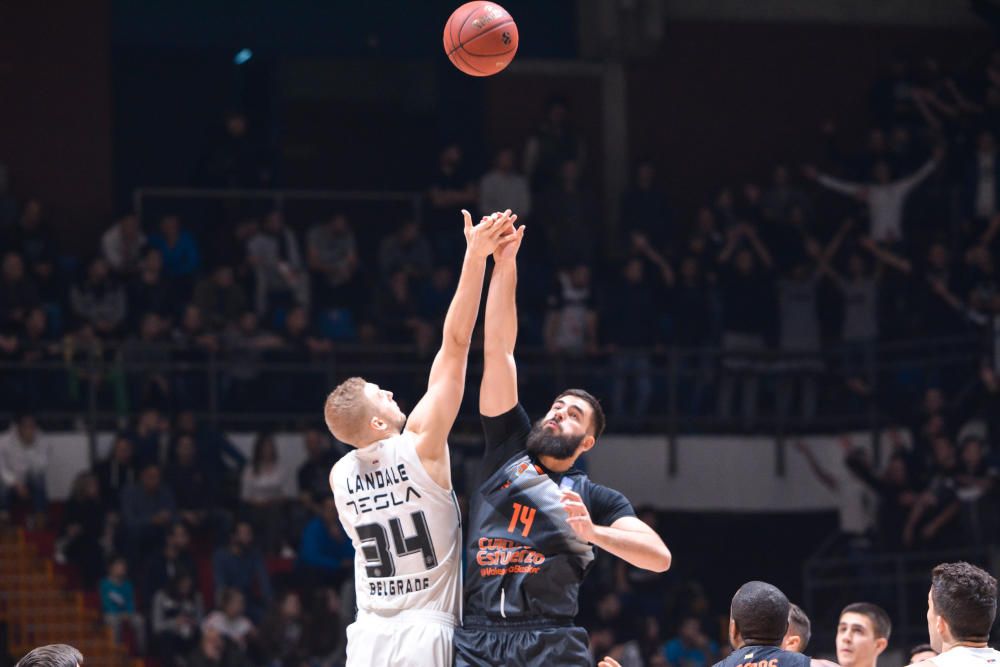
507	251
608	662
486	237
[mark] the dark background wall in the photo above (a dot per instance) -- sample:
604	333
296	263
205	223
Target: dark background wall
55	108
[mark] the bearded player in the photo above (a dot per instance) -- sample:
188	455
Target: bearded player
394	492
535	520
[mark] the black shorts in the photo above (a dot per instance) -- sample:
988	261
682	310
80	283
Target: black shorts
488	643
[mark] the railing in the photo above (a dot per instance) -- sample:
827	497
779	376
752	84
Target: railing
101	386
898	582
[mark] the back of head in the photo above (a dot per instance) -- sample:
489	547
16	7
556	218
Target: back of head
965	596
346	410
760	613
52	655
881	623
799	625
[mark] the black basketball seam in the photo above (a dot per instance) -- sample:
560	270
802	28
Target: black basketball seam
458	55
482	34
487	55
454	38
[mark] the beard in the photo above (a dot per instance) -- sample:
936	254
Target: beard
556	445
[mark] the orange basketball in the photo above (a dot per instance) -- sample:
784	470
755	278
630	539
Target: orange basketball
480	38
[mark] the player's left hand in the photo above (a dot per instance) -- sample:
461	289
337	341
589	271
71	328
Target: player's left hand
579	516
608	662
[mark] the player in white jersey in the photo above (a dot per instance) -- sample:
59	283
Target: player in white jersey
394	493
961	607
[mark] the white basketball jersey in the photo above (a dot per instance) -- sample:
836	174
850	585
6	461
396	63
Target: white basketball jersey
966	656
406	529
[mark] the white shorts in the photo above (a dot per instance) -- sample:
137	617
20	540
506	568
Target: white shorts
411	638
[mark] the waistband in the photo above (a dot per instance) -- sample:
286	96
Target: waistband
501	624
408	616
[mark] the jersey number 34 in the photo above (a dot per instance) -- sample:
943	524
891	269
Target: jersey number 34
375	545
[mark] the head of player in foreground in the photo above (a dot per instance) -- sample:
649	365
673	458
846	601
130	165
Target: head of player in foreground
570	427
799	630
758	615
961	606
921	652
52	655
360	413
862	634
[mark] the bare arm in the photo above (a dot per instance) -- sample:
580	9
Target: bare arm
821	473
837	185
434	415
498	391
887	257
759	248
628	538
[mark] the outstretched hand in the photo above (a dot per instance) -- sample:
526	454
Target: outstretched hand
490	235
608	662
507	252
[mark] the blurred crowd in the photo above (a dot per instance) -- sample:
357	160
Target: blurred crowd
201	559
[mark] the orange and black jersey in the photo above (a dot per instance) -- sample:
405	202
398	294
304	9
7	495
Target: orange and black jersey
523	560
764	656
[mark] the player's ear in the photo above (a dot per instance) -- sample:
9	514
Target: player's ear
880	645
378	424
587	443
734	636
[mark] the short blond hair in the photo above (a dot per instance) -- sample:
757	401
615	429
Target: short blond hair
345	410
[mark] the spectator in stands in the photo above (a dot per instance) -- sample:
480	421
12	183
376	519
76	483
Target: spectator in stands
214	651
933	519
692	307
148	508
244	348
150	291
122	245
33	387
644	207
32	240
452	188
554	142
799	336
314	473
235	158
435	296
145	359
263	492
150	438
630	329
193	485
195	344
777	202
99	301
569	211
179	248
176	616
18	294
173	560
407	251
571	323
884	197
220	458
691	647
327	629
896	491
325	553
396	313
332	255
279	272
976	488
859	328
84	537
118	603
240	565
283	639
116	472
503	187
220	297
24	459
747	307
230	619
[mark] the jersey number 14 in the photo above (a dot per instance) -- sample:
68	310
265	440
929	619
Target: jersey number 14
375	545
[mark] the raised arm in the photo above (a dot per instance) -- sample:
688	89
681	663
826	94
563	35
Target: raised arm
498	391
837	185
917	177
435	414
886	256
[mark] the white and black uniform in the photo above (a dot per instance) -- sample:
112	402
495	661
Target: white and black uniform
407	537
967	656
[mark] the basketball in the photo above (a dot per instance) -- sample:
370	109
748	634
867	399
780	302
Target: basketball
480	38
